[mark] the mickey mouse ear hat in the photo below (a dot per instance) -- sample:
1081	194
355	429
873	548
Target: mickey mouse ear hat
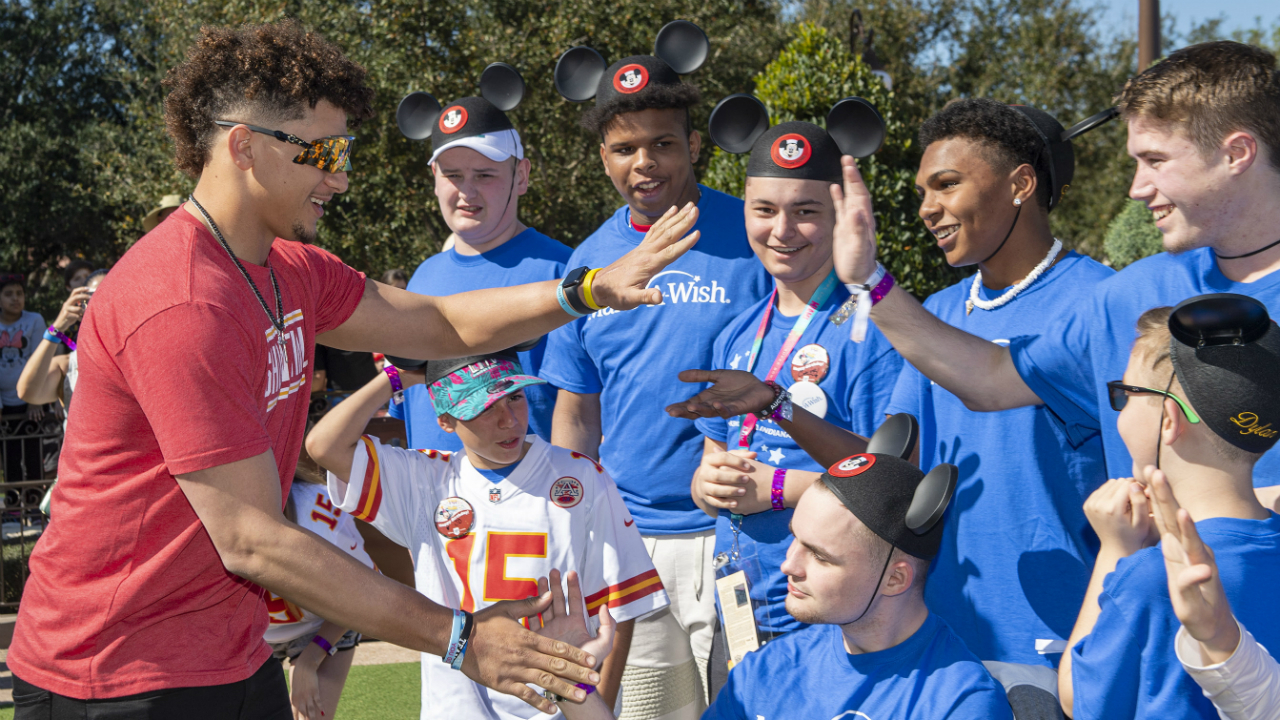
892	497
680	48
1226	353
477	122
799	150
1061	157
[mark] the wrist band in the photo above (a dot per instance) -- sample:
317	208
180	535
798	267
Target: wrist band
871	282
564	303
463	643
588	689
775	493
455	637
586	290
324	645
397	387
881	289
54	335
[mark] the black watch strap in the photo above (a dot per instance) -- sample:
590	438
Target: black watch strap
571	281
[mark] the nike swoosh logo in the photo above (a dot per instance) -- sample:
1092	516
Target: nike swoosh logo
353	547
629	523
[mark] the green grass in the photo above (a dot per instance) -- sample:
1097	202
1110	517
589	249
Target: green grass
379	692
372	692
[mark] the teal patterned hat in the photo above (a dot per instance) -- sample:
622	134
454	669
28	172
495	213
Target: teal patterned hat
471	389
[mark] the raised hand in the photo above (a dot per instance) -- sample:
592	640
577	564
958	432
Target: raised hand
73	309
505	656
1194	585
1120	513
733	392
567	622
854	246
623	284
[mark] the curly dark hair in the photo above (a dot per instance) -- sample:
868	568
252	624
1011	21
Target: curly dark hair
1005	134
256	73
655	97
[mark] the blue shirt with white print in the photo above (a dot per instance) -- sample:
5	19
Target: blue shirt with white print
854	382
632	358
526	258
1069	364
1017	549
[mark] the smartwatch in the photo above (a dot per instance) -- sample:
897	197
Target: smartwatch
570	284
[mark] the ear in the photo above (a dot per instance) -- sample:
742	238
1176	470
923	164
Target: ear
604	159
1024	182
1241	150
523	166
695	145
899	579
578	72
240	147
447	422
416	115
502	86
1175	423
736	122
682	45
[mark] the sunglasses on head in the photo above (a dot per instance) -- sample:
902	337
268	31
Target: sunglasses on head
1118	392
331	154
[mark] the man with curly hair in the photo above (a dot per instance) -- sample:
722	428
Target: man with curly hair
615	370
147	596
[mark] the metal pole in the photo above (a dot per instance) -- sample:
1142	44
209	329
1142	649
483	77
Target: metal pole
1148	33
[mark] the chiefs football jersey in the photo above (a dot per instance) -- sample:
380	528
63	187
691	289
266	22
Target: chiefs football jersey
319	515
476	542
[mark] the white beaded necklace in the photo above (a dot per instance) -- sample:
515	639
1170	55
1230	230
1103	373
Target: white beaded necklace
1011	293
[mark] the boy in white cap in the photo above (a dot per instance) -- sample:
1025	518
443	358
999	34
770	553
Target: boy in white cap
507	509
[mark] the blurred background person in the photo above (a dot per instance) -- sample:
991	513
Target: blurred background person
167	205
396	277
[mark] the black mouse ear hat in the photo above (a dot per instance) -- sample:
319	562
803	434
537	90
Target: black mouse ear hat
680	48
1060	156
420	115
799	150
1226	352
889	495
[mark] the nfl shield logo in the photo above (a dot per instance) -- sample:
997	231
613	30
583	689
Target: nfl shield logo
495	495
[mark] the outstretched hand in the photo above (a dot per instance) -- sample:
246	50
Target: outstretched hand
568	623
506	656
623	285
732	392
854	245
1194	585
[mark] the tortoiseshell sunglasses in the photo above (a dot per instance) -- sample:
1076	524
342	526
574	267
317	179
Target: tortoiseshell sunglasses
331	154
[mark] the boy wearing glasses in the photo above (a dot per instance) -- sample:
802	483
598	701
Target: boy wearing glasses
1204	414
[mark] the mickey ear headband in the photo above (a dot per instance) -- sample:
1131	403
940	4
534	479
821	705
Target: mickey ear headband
500	84
739	120
1057	145
680	44
897	436
451	365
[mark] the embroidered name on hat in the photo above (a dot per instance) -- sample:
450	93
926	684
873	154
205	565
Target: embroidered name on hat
453	119
630	79
1249	422
791	151
852	466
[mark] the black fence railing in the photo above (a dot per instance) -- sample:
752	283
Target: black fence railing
29	451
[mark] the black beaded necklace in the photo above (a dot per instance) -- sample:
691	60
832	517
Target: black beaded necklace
278	323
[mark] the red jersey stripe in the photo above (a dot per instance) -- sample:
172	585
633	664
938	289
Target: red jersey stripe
371	493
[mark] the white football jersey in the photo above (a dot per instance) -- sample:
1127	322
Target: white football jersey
476	542
319	515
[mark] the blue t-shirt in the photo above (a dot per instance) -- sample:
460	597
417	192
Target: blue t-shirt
856	380
1017	549
526	258
632	358
1069	364
1126	667
808	674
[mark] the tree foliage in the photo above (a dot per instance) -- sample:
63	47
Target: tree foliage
814	71
1132	235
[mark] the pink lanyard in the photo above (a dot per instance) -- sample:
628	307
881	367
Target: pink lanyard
819	297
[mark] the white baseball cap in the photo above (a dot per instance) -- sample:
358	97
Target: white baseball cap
497	146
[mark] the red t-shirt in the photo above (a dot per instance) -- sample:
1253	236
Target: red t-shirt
180	370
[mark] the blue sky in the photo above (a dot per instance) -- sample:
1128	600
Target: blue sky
1239	13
